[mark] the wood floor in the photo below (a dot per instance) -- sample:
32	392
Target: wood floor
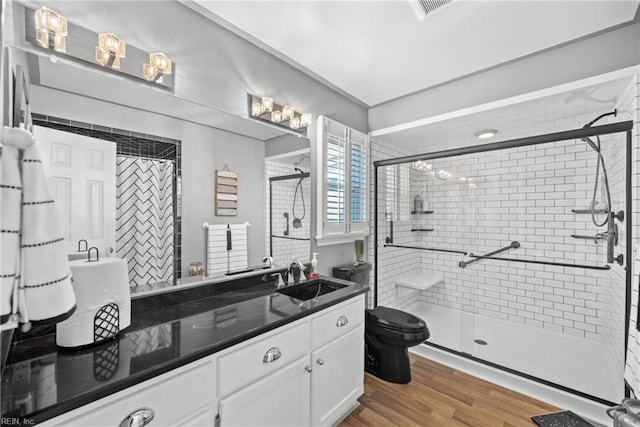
441	396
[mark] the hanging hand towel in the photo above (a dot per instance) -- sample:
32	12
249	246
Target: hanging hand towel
34	272
219	259
632	367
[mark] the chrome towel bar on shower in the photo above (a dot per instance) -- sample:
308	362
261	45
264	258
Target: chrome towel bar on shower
513	245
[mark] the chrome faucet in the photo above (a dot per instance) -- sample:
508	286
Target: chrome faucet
269	260
292	266
279	280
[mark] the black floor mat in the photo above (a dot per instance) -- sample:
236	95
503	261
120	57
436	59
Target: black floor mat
560	419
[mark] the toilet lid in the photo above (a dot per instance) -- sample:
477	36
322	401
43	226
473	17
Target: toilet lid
396	320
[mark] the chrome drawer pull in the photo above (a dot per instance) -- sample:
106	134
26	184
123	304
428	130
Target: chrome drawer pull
342	321
139	418
272	355
320	362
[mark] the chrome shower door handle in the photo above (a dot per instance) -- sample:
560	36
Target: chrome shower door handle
342	321
271	355
139	418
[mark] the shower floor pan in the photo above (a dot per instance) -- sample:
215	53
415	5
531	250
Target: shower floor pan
575	363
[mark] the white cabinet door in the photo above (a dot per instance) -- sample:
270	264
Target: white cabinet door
82	179
280	399
338	376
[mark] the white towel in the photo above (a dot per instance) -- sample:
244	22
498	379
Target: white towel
34	272
218	258
632	367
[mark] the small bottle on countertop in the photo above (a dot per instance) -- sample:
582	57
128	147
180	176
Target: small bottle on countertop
314	267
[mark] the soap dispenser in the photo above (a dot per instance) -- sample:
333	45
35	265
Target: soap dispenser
314	267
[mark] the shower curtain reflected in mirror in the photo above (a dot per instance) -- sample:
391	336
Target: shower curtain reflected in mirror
144	219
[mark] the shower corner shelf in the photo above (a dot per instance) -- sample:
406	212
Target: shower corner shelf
422	229
422	212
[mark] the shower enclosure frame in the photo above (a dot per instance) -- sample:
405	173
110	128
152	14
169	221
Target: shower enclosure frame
613	128
271	180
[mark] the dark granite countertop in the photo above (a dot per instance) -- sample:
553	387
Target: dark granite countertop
41	381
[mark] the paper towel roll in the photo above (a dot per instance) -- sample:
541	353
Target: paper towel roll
102	290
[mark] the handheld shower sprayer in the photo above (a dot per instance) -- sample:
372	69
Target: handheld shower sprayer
611	235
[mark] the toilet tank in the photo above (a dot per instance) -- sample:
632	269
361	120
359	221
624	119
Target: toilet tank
354	272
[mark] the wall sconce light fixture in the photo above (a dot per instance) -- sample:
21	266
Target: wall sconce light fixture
266	110
51	29
109	50
159	64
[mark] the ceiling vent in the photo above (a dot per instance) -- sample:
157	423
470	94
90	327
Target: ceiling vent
425	7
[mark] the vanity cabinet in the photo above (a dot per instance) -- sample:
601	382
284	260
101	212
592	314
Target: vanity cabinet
318	388
181	397
280	399
337	377
307	372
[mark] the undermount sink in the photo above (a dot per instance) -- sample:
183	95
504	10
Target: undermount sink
310	290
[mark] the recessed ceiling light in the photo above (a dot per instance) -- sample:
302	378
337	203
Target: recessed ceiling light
485	133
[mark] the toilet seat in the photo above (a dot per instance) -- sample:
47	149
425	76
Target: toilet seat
396	320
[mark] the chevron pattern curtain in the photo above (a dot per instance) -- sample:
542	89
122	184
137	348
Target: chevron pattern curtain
144	218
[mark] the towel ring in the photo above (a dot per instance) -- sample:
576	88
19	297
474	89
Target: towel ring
89	254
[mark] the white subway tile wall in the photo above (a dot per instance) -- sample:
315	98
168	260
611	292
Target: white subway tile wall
484	201
285	250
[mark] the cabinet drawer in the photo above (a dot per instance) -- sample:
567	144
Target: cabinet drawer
175	398
246	363
337	320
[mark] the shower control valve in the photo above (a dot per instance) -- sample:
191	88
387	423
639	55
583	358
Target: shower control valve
619	215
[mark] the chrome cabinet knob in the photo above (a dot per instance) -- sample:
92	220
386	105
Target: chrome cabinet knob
320	362
271	355
342	321
308	368
139	418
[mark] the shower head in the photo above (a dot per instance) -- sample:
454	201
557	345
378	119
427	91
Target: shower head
298	170
593	145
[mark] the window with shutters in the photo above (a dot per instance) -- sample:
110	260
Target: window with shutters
343	215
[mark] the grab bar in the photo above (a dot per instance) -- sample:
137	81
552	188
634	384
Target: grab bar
513	245
531	261
427	249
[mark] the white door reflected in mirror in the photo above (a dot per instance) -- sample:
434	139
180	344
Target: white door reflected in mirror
82	179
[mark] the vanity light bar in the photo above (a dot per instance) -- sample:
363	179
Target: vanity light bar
264	108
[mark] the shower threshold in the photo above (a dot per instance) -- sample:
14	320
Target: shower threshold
570	363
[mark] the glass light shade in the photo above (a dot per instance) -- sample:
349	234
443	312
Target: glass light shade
159	65
287	112
276	116
109	50
295	123
160	62
256	109
267	104
51	29
305	120
112	43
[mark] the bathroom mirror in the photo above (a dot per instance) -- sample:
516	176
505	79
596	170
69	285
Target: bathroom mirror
143	121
